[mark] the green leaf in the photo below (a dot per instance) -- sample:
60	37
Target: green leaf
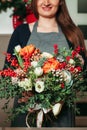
20	60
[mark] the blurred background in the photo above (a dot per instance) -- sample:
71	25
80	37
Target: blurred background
15	12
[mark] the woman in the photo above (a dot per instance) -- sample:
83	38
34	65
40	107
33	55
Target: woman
53	25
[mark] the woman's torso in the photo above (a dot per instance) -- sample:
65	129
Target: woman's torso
22	34
45	41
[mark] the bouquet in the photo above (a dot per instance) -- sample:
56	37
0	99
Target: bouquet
43	82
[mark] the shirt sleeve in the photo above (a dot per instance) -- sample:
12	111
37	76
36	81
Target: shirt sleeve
20	37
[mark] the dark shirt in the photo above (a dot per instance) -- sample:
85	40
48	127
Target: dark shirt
20	36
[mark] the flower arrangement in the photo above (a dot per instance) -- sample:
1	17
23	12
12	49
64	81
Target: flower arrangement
42	81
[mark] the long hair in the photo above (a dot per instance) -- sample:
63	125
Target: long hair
71	31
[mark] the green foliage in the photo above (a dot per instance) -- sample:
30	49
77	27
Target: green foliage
20	60
7	89
38	91
19	7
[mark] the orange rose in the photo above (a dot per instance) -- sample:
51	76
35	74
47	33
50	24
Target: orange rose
50	64
28	50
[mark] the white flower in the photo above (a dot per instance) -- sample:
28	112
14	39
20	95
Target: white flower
26	84
66	76
71	61
39	86
47	55
38	71
17	48
34	63
56	109
14	80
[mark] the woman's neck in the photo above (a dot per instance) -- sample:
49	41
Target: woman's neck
47	24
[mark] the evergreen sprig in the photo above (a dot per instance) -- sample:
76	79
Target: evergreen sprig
19	7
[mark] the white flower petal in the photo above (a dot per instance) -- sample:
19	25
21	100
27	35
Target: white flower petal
56	109
71	61
34	63
17	48
66	76
26	84
47	55
14	80
38	71
39	86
